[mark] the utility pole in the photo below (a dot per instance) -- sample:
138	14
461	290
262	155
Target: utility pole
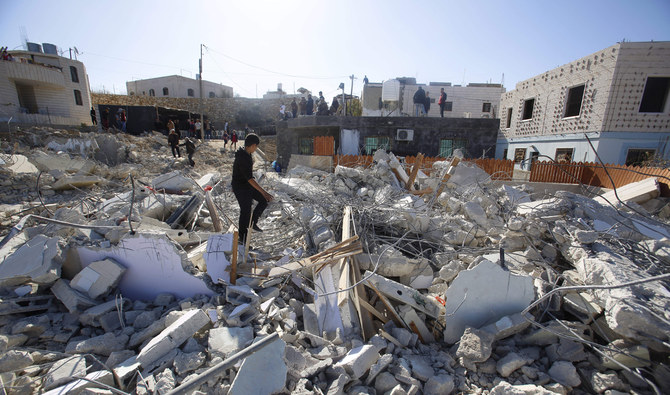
202	117
351	96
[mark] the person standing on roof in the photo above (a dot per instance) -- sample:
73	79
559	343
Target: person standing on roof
419	102
442	101
246	189
427	105
294	108
309	109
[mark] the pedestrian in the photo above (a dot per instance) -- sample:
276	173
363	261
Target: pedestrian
226	136
322	108
170	126
225	126
190	150
124	120
442	101
198	129
309	108
321	100
94	120
208	130
282	112
191	128
294	108
365	80
419	102
427	105
233	139
334	106
173	142
246	189
302	107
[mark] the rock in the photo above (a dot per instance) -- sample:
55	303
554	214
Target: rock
15	360
165	381
449	271
421	367
640	355
385	381
98	278
475	345
226	341
188	362
146	318
565	373
602	382
63	371
359	360
441	384
510	363
102	345
382	363
38	260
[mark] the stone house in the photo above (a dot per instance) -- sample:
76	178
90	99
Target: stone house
177	86
617	97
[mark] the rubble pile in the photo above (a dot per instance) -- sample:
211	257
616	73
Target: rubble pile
120	273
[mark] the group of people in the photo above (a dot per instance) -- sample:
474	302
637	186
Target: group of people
173	142
5	55
110	120
422	102
309	107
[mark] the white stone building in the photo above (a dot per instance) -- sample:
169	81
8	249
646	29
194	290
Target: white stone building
44	88
471	101
618	97
177	86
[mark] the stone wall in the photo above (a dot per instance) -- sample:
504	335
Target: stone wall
260	114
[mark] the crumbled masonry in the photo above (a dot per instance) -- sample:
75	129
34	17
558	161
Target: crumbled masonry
115	278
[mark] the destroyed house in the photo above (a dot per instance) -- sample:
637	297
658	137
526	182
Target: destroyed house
617	97
403	135
39	87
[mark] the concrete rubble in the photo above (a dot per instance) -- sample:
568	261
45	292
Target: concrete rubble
378	280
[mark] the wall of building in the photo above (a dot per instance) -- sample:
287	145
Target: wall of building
178	86
480	133
50	80
636	62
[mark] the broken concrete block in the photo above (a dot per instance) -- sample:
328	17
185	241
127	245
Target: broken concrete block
215	257
102	345
241	294
441	384
15	360
38	260
10	341
405	295
241	315
173	336
165	381
359	360
582	305
475	345
63	371
188	362
382	363
565	373
73	300
422	368
505	388
632	356
603	381
510	363
98	278
172	182
226	341
484	294
507	326
388	264
413	320
100	376
476	213
566	350
384	382
93	315
421	278
153	266
72	182
269	361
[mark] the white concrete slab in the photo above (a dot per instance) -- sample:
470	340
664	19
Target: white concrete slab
215	256
154	266
483	295
21	165
263	372
36	260
172	181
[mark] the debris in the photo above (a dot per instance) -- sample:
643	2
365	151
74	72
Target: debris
98	278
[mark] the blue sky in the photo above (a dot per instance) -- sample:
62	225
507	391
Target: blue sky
254	45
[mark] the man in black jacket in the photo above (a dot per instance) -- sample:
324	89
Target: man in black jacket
442	101
245	187
419	101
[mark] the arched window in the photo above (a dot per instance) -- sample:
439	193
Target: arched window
166	92
211	94
152	92
190	92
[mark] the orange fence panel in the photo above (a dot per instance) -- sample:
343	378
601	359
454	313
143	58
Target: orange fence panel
353	160
324	145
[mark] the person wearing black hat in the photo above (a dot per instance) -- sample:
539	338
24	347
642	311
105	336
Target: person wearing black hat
245	187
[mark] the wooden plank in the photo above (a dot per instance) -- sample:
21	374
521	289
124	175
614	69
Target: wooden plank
370	309
404	294
394	314
364	316
213	213
233	263
344	266
415	170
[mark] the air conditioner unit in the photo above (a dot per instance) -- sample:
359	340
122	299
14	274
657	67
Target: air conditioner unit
404	135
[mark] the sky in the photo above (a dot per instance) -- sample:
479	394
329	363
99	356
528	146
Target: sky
253	45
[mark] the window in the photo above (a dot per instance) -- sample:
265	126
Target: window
638	156
211	94
573	106
190	92
509	119
486	107
152	92
528	109
448	106
77	98
655	94
519	155
505	153
372	144
306	146
447	147
166	92
564	154
74	74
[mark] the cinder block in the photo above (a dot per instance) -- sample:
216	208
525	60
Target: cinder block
73	300
98	278
241	294
173	336
241	315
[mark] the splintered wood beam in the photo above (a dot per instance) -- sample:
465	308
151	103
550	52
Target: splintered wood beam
394	314
360	297
447	176
415	171
233	263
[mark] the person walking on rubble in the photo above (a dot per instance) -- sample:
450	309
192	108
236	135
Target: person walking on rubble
226	136
246	189
94	119
233	139
190	149
173	141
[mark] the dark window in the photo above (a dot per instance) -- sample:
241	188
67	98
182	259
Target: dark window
74	74
505	153
519	155
573	105
448	106
77	98
564	154
190	92
166	92
447	147
211	94
132	93
486	107
509	118
372	144
528	109
306	146
638	156
152	92
655	94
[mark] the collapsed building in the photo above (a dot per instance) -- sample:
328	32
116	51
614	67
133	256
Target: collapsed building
121	273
